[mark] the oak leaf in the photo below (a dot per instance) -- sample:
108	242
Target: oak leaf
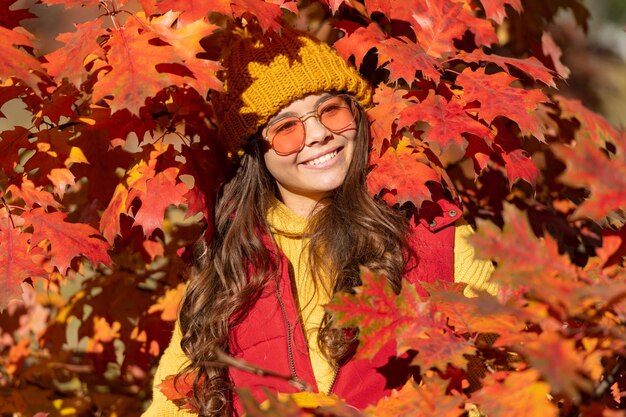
32	195
402	176
437	349
161	192
515	394
179	390
11	143
593	127
498	98
388	105
81	47
437	23
133	76
531	65
359	42
447	121
590	167
67	240
496	9
381	315
426	400
16	61
404	57
16	260
553	51
186	43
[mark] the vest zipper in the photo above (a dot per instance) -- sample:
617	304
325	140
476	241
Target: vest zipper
332	384
292	365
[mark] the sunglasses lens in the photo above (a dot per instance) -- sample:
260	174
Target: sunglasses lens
336	113
287	135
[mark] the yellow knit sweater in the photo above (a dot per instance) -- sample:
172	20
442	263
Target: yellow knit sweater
287	228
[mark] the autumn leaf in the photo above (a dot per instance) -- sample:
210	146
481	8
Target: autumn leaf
517	163
437	349
588	166
186	43
388	105
531	65
152	211
447	121
16	260
552	50
32	195
168	304
496	10
593	127
179	390
523	260
381	315
496	97
82	46
426	400
403	58
267	13
133	76
359	42
437	23
403	177
558	361
67	240
15	61
515	394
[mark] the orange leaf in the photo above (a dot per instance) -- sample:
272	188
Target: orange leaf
67	240
16	62
403	176
516	394
388	105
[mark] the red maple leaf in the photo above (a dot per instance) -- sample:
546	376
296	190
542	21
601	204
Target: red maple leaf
447	120
160	192
437	349
359	42
11	144
496	10
69	60
388	105
552	51
518	165
593	127
32	195
267	13
405	57
437	23
558	361
67	240
16	260
402	175
428	399
524	260
531	65
515	394
498	98
15	61
380	315
133	76
186	43
588	166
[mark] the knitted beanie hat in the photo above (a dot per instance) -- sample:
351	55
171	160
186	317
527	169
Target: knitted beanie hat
263	74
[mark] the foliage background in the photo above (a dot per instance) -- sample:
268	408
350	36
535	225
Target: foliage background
99	204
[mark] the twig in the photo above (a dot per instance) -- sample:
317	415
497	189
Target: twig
224	359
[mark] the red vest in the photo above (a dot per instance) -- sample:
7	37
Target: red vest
271	335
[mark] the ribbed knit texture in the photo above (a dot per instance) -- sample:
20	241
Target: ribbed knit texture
263	75
287	228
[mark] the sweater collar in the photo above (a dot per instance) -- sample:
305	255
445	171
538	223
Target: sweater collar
284	221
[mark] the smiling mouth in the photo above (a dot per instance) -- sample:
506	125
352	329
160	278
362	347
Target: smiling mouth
322	159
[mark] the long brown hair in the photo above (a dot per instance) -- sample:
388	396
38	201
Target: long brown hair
348	230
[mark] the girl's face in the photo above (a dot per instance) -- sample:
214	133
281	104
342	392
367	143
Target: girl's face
307	176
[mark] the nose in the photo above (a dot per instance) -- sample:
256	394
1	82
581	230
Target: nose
315	131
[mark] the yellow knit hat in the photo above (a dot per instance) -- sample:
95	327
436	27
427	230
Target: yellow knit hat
264	74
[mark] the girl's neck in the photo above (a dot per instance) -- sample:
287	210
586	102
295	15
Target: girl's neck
303	205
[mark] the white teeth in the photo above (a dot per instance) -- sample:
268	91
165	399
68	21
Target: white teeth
322	158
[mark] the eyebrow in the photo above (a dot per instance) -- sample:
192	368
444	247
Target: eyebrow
282	115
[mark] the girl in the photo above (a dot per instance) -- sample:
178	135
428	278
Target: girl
292	228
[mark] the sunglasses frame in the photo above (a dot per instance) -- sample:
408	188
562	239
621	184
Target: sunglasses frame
352	103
